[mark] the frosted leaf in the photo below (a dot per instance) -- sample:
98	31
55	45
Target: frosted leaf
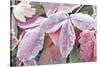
31	44
30	22
64	38
82	21
23	10
53	22
50	8
87	46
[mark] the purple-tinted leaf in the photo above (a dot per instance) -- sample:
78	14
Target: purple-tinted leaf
32	22
66	38
53	22
82	21
87	46
50	8
30	45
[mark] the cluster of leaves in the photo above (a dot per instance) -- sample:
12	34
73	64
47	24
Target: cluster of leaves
52	33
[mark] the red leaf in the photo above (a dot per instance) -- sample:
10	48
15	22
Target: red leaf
88	46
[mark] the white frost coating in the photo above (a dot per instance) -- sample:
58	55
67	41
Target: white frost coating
82	21
30	45
53	22
66	38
